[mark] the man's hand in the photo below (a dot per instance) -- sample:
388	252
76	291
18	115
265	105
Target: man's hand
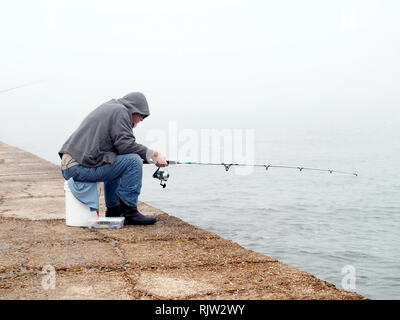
159	159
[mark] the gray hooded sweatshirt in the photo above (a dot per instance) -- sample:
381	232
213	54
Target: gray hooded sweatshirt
107	132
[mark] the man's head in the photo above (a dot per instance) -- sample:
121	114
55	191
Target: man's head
136	104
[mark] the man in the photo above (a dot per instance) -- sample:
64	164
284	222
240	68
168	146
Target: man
104	149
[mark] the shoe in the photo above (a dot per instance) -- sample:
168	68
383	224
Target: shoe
134	217
113	211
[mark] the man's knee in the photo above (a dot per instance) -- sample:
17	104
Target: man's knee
133	158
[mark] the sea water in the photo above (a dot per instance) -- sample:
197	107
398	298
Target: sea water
323	223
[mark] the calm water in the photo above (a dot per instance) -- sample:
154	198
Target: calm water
318	222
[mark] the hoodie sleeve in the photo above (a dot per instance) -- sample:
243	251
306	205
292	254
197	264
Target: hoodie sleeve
122	136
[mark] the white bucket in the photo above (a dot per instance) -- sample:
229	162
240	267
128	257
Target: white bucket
76	213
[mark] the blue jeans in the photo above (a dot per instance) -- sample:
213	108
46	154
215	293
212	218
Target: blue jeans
121	179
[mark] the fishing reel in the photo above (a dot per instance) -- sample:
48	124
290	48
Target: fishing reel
161	175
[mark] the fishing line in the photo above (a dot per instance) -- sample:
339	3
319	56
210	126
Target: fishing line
21	86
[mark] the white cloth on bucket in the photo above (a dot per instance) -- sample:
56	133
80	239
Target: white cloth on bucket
85	192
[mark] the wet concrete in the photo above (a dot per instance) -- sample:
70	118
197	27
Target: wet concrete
168	260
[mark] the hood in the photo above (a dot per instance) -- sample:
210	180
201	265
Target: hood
136	102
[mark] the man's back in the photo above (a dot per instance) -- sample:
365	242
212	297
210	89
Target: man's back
107	132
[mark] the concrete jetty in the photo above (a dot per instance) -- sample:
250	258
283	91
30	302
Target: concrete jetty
169	260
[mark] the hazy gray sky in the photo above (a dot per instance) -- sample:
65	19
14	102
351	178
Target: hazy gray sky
249	64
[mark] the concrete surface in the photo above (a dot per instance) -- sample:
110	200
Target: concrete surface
169	260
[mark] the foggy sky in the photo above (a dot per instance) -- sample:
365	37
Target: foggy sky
316	65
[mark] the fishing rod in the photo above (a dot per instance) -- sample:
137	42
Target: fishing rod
163	175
